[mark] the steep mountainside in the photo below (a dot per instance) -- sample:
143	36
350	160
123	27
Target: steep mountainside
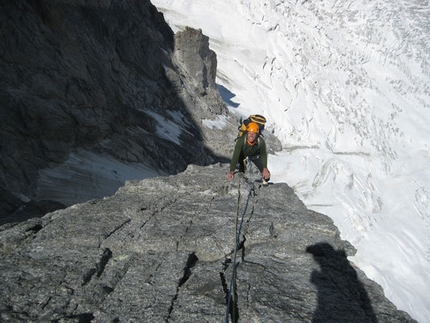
103	80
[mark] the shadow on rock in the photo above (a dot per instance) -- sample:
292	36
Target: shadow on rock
227	96
341	296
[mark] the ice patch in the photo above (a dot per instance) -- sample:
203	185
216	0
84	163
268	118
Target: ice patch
85	176
219	123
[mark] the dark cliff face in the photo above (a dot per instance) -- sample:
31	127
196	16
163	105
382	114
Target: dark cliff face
98	75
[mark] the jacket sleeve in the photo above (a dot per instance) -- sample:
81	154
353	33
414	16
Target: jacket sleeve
263	153
237	149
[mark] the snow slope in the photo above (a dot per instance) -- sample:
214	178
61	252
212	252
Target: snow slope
345	86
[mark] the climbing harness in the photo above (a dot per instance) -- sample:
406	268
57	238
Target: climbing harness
231	291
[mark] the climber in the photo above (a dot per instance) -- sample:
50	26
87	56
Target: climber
252	146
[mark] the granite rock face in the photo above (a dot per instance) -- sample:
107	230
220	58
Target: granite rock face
163	250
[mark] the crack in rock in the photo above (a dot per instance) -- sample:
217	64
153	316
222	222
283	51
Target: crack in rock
99	267
191	262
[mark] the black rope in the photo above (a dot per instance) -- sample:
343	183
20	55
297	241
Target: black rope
233	275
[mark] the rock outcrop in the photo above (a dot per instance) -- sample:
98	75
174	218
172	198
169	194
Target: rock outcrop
162	250
107	78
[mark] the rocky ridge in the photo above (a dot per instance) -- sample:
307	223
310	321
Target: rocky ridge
162	250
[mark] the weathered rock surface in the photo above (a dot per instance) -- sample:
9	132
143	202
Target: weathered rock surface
162	250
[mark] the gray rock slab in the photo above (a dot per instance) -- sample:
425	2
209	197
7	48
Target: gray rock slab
164	250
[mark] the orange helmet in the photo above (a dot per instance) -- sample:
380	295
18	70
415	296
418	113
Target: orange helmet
252	127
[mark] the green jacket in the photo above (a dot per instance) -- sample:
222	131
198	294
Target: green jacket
248	151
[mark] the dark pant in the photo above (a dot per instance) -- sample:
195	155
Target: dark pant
255	159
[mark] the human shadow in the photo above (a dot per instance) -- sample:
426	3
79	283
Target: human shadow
342	297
